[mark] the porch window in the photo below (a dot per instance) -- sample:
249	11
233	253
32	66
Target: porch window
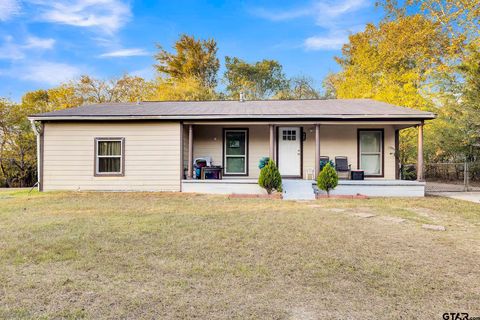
371	152
109	156
235	151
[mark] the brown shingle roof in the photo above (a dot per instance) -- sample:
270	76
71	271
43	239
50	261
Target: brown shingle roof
265	109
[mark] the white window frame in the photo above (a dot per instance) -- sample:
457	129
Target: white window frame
379	153
97	172
225	156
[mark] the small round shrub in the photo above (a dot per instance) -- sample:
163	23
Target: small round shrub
270	178
327	179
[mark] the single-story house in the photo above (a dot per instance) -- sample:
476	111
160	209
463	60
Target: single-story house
152	146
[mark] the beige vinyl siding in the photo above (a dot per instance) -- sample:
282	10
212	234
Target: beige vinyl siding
152	156
335	140
341	140
208	139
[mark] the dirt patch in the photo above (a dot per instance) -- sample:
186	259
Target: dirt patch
393	219
434	227
364	215
336	210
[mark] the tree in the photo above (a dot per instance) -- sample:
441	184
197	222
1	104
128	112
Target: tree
459	19
259	80
402	62
17	145
327	179
270	178
125	89
188	89
328	84
61	97
299	88
192	59
391	63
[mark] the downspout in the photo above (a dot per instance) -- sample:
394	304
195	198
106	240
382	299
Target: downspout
39	159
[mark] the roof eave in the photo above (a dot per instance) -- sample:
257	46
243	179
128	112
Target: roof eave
233	117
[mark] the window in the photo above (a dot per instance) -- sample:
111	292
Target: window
235	151
371	152
290	135
109	156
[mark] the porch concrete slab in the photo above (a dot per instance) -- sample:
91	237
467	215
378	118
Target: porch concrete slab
433	227
466	196
296	189
379	188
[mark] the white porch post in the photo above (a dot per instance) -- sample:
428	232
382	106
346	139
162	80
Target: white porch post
397	154
190	152
420	153
317	150
272	143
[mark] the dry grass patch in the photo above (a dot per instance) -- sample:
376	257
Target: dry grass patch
151	255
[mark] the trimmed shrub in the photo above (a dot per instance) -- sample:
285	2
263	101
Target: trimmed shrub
327	179
270	178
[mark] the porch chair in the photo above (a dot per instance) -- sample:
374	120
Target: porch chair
323	161
199	163
342	167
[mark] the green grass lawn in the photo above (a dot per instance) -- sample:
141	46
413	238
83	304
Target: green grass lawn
154	256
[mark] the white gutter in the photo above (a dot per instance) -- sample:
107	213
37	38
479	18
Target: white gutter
37	133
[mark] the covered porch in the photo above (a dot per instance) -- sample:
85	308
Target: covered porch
235	148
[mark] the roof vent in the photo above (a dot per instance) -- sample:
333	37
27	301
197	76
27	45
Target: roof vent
138	102
242	96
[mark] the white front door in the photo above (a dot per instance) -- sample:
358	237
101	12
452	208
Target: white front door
289	151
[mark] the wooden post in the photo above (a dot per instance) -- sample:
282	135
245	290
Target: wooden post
190	152
420	165
272	142
317	150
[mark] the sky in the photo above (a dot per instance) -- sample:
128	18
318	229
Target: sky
44	43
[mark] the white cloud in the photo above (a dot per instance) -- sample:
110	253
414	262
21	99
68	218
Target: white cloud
8	8
274	15
336	19
333	41
11	50
320	10
39	43
337	8
106	15
125	53
45	72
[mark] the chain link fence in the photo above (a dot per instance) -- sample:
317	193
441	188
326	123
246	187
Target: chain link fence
452	176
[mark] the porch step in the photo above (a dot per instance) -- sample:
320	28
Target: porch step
297	190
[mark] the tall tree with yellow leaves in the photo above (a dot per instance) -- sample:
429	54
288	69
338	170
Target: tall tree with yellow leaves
403	62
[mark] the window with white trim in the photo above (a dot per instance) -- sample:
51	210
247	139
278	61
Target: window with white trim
371	152
109	156
235	151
